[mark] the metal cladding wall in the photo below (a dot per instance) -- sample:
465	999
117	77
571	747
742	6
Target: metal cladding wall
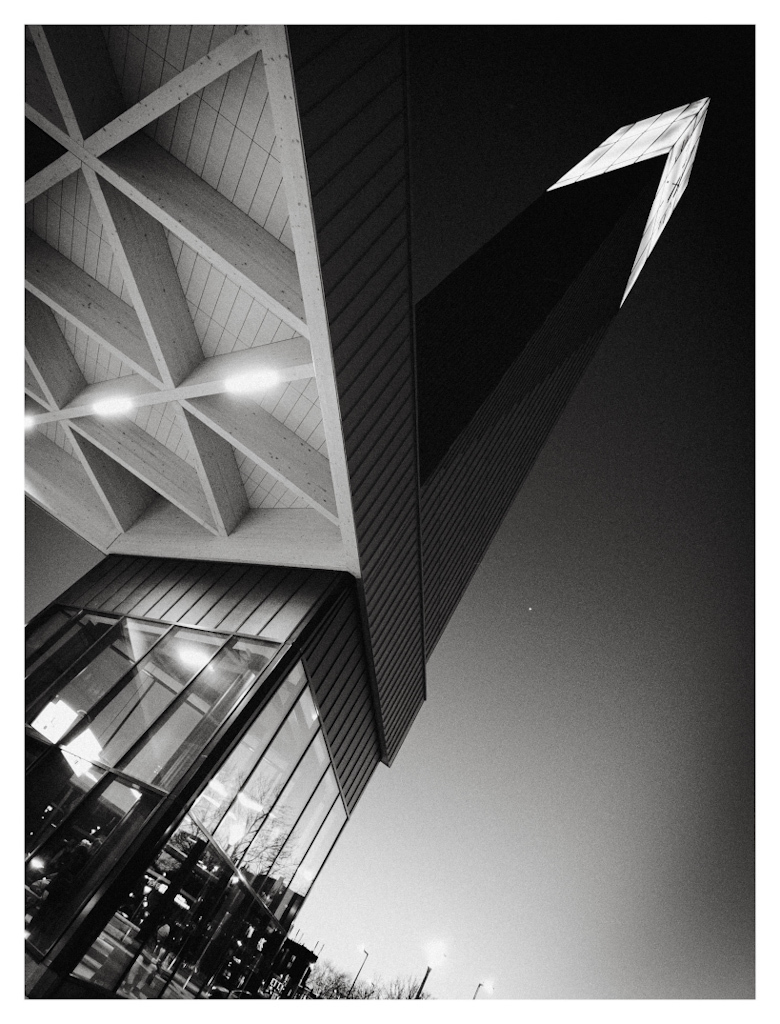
317	609
255	600
335	660
468	494
350	85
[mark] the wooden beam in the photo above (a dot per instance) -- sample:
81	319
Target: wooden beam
78	67
149	460
219	61
290	359
218	472
38	95
292	537
150	275
60	484
123	495
50	175
208	222
31	386
272	445
192	79
86	303
48	356
284	108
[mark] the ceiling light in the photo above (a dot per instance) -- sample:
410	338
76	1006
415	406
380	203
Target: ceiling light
260	381
116	406
29	422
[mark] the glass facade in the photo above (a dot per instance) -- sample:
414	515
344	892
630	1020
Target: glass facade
121	715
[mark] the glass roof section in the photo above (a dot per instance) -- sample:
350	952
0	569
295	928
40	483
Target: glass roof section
675	132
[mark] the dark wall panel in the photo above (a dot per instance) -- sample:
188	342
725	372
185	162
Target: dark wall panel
468	494
251	599
335	658
350	86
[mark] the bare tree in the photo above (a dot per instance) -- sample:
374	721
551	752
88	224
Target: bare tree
328	982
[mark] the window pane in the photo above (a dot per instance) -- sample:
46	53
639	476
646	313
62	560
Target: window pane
75	859
247	813
188	925
37	637
211	804
145	694
292	853
64	655
280	820
76	695
319	850
176	741
53	789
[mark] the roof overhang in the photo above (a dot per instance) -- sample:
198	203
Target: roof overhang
172	270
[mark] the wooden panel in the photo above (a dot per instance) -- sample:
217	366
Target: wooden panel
62	487
87	304
265	440
50	359
151	462
124	496
219	475
208	222
80	72
141	246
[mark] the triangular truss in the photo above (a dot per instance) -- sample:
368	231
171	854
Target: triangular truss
675	132
171	261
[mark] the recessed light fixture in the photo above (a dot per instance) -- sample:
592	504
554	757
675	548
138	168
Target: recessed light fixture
29	422
116	406
260	381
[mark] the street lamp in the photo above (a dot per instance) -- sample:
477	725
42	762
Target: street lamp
488	987
436	956
362	950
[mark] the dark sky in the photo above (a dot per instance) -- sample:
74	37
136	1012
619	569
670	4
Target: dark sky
572	811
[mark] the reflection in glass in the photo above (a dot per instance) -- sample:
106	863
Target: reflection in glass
64	656
69	865
243	821
53	790
123	715
35	638
174	743
289	903
273	828
298	842
188	926
222	789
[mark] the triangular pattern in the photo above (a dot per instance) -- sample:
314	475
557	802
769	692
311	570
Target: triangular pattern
224	132
675	132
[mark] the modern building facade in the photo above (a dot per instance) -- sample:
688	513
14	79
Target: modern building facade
293	472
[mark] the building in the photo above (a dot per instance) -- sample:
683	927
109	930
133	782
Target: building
293	473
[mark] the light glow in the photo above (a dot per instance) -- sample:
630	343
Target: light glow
247	382
55	720
117	406
85	745
29	422
436	953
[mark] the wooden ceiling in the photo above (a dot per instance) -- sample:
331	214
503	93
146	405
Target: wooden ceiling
171	259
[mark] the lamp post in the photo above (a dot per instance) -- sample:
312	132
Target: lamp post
483	984
436	957
359	970
422	983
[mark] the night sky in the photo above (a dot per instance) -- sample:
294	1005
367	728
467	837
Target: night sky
572	812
